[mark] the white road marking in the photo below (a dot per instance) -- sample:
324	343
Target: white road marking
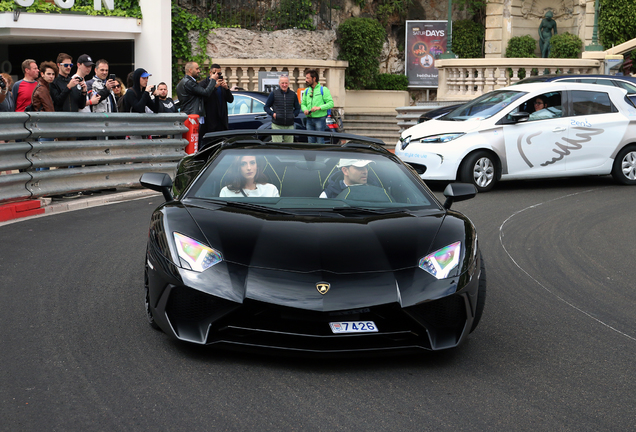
501	236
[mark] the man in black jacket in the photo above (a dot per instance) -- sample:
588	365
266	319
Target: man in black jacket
216	105
192	96
68	92
282	104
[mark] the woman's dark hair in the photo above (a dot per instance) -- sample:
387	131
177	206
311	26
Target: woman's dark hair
237	181
129	80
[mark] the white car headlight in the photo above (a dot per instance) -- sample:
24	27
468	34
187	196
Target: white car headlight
194	254
442	138
441	262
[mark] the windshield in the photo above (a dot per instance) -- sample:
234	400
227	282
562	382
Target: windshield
309	179
484	106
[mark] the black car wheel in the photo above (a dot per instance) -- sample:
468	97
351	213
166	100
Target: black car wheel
481	295
479	169
624	170
151	319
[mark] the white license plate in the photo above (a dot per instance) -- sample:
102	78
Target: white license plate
353	327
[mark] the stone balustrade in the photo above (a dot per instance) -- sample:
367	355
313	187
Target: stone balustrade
244	73
465	79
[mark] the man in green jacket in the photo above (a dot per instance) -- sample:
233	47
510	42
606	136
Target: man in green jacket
316	102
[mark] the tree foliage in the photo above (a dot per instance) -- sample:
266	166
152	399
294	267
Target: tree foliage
616	22
123	8
361	41
182	23
468	38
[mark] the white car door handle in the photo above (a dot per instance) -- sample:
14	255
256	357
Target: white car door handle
559	129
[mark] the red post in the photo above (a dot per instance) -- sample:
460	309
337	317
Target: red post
192	135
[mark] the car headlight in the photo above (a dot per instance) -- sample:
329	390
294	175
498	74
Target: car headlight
442	138
441	262
195	255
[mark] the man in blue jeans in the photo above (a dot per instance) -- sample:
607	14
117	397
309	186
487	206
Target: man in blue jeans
316	102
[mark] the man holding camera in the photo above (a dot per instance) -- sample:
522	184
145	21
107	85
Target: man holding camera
68	92
102	86
216	105
192	96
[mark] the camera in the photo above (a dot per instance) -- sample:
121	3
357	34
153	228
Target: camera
220	76
79	78
104	93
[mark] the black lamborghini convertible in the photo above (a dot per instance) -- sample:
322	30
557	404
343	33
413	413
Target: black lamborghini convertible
248	252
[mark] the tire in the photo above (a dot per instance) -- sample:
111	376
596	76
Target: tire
481	294
479	169
624	169
149	317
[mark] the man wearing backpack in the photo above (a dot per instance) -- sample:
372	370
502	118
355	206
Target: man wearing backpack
316	103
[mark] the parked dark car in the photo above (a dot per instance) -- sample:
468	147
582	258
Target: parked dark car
248	112
381	267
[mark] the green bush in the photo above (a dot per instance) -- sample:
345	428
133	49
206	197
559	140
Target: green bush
361	41
566	45
468	39
521	47
391	82
123	8
616	22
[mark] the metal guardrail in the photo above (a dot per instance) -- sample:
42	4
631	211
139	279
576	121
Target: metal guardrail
101	158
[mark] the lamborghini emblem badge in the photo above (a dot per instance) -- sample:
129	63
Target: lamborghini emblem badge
323	287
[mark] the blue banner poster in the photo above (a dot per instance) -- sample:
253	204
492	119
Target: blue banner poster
425	42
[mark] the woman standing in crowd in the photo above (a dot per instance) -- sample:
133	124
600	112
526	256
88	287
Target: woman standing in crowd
119	91
41	99
137	98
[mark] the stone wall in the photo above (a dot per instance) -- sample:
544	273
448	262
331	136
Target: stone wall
322	44
290	44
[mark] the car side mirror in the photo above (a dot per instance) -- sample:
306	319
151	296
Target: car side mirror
519	117
458	192
160	182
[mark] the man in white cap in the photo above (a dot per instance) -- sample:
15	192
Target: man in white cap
353	172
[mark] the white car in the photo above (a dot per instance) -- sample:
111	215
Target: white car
539	130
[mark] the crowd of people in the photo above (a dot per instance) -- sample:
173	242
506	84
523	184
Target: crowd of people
52	86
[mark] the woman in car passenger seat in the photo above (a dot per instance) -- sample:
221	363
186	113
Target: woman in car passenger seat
246	179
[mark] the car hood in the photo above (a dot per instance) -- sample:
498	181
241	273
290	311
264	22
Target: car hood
327	242
434	127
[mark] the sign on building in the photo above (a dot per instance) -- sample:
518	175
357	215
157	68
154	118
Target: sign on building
268	81
424	44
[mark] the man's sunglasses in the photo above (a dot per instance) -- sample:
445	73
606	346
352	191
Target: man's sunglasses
67	64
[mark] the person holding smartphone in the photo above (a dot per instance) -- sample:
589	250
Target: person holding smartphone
102	98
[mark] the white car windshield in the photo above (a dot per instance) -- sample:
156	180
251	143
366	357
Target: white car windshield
311	179
484	106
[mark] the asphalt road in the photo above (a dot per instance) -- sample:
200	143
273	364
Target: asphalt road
554	351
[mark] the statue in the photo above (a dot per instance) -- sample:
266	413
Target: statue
545	33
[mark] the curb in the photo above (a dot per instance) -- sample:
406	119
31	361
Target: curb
26	210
